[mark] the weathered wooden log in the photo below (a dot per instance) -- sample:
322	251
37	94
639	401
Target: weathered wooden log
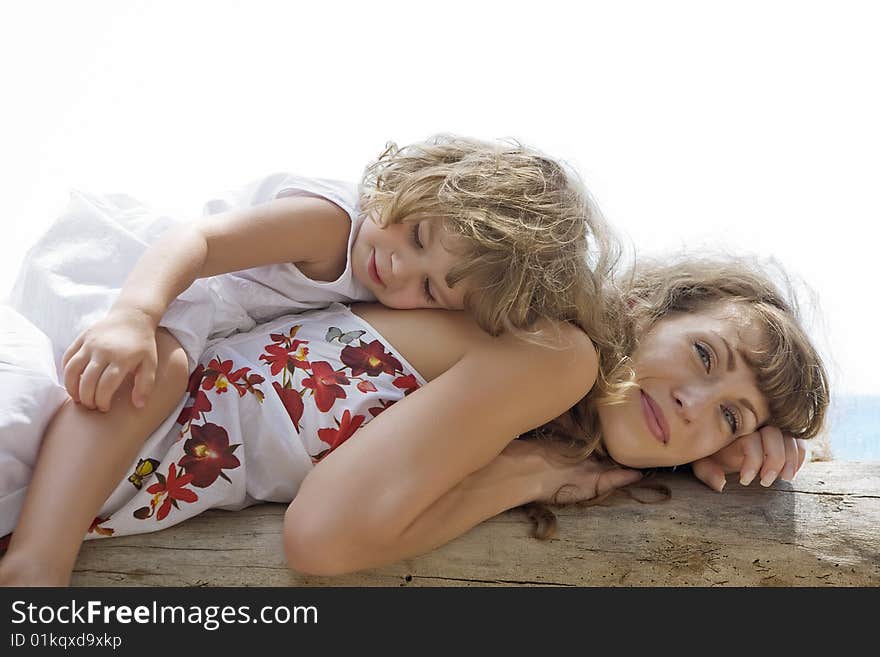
821	530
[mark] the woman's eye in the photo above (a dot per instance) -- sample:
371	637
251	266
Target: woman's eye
705	355
415	235
730	417
428	296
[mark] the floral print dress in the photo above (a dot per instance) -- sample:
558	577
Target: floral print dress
262	408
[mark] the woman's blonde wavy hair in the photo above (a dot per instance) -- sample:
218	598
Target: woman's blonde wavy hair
533	244
788	369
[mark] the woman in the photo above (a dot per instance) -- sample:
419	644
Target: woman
716	354
720	374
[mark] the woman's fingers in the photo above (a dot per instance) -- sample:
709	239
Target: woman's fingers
795	455
710	473
753	456
774	454
616	478
791	458
802	452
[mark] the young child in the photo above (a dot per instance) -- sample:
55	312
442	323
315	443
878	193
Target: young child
304	409
497	229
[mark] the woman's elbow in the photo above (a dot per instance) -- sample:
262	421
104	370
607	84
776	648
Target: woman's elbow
313	547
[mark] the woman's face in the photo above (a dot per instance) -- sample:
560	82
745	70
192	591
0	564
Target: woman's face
695	392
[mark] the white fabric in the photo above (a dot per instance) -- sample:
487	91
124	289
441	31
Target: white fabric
31	394
245	441
70	278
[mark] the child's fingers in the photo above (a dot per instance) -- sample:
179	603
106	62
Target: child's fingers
71	351
112	376
88	382
710	473
144	381
72	373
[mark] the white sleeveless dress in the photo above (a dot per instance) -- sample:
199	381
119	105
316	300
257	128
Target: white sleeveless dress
70	278
262	407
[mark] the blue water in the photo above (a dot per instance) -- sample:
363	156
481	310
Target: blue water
854	423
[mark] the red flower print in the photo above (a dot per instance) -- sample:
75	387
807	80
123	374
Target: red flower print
292	401
195	379
378	409
173	489
286	340
370	358
366	386
200	405
220	374
104	531
208	453
325	381
408	383
251	385
335	437
281	357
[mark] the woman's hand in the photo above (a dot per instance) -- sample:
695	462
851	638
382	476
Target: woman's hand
566	483
100	359
767	451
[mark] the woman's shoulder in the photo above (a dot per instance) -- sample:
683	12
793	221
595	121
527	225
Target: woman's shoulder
431	340
435	340
553	350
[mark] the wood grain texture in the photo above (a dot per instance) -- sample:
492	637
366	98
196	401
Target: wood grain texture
821	530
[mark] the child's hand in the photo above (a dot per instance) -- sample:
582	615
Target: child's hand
102	357
767	451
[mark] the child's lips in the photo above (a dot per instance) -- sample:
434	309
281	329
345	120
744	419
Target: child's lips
374	271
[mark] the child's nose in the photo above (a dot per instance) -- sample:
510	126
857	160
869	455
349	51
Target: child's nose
405	270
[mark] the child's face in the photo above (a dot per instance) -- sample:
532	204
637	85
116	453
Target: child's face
693	386
405	264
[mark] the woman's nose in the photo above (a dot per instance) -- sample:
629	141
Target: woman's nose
691	401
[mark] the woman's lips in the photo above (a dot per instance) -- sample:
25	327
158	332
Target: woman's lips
374	271
654	418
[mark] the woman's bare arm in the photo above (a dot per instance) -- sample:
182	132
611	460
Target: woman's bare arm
521	473
359	505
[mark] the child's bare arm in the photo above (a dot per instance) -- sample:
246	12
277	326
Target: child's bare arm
366	503
301	230
83	456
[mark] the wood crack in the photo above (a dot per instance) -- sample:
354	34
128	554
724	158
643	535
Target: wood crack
494	581
817	492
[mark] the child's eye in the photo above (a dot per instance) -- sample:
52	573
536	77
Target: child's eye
428	296
705	355
731	418
415	235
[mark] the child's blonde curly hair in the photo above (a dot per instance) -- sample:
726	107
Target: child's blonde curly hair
534	243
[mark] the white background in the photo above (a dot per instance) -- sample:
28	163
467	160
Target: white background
747	125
